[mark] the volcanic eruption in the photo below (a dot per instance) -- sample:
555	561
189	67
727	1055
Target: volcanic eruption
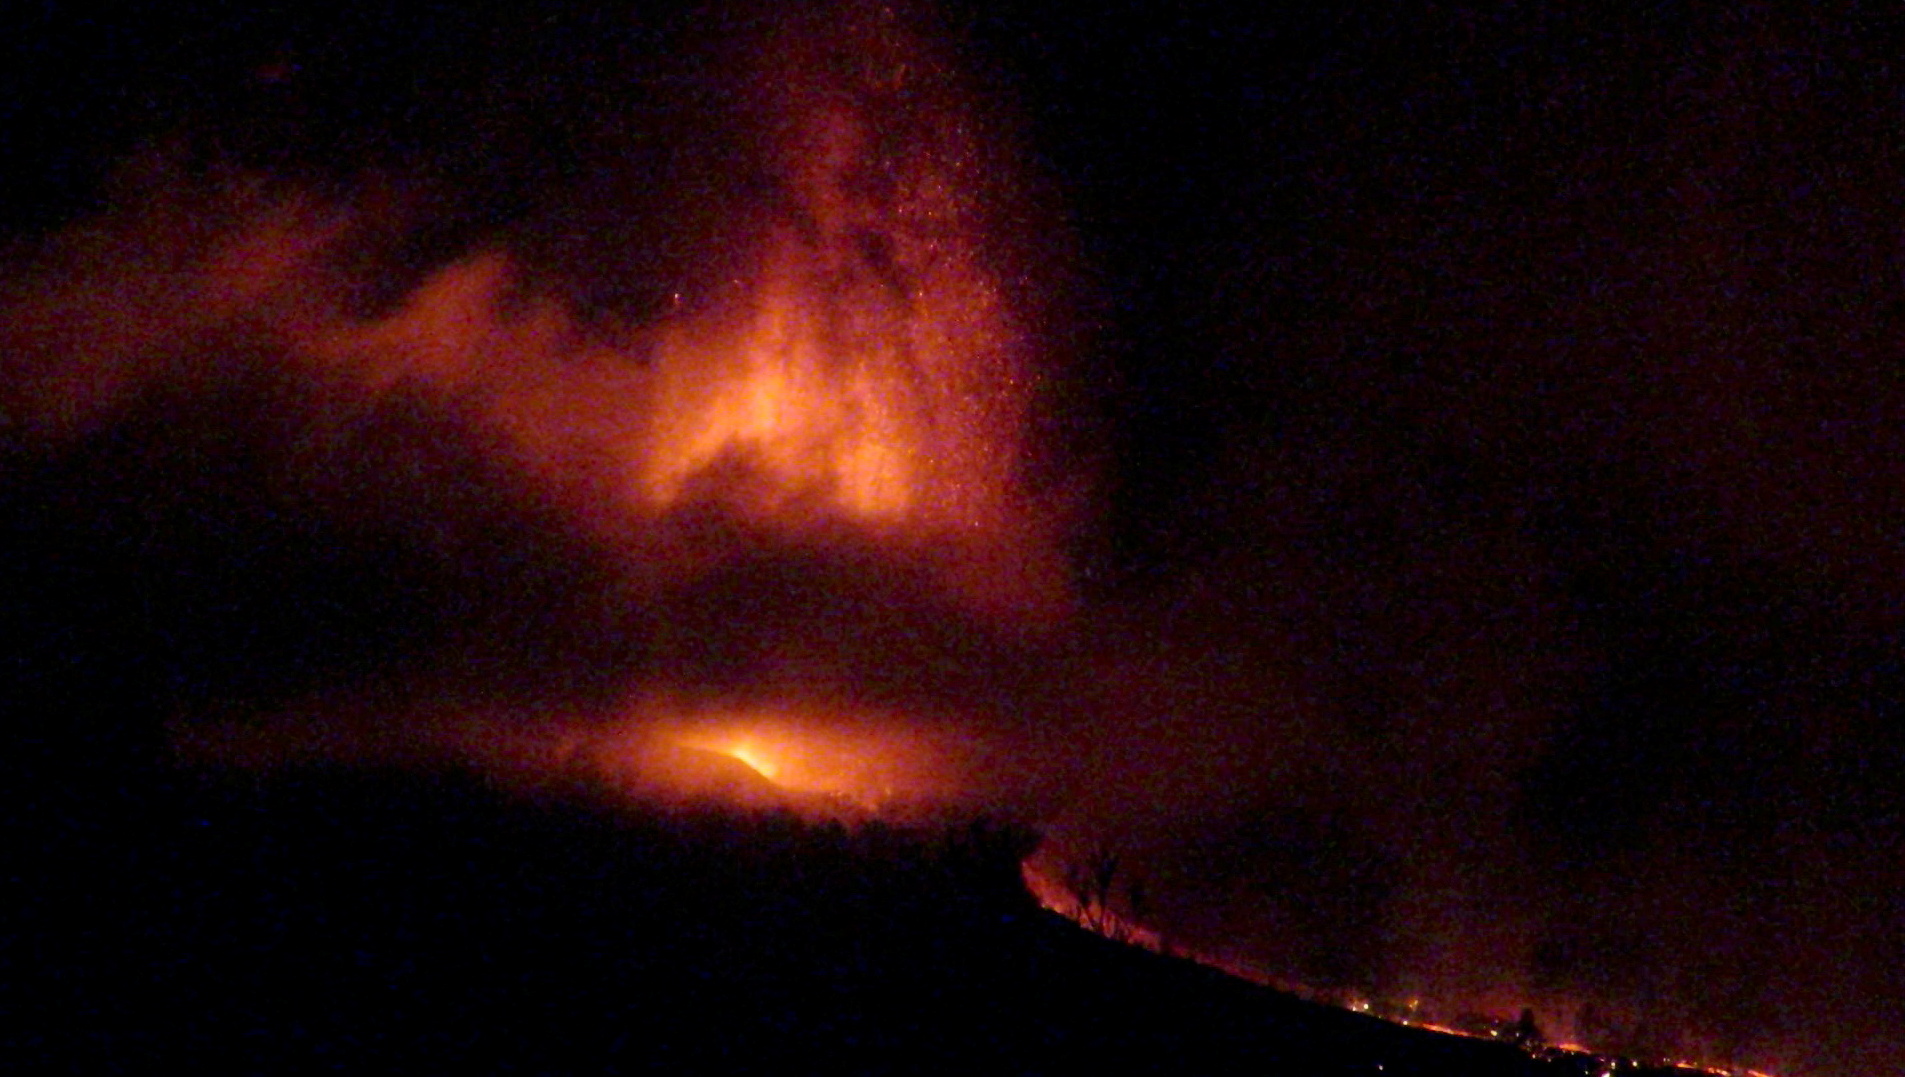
799	455
1413	522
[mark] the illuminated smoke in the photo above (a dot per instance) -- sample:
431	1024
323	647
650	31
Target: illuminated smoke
791	533
852	367
808	466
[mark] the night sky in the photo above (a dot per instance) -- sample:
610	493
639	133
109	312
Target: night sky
1487	424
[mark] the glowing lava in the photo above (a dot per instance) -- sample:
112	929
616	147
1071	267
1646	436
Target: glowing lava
810	758
817	758
842	390
747	753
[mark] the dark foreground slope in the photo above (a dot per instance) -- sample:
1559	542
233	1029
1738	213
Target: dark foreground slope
427	923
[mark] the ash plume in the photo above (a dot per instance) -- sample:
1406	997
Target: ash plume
1465	567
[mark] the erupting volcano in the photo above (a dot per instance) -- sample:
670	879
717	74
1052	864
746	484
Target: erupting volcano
818	407
1399	508
819	766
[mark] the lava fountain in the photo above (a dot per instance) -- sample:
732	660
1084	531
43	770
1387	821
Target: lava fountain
805	459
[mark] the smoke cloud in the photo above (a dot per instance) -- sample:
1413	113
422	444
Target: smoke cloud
1465	568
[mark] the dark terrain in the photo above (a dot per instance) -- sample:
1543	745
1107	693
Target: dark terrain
372	921
426	919
1514	388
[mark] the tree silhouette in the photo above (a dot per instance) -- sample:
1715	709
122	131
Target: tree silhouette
1526	1034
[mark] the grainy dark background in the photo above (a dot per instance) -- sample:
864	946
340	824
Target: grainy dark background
1497	564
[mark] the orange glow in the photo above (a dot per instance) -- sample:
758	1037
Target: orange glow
870	768
857	370
851	372
853	358
790	424
868	370
1041	873
805	758
747	753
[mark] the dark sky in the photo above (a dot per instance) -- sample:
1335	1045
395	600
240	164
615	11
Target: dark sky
1493	581
1514	391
